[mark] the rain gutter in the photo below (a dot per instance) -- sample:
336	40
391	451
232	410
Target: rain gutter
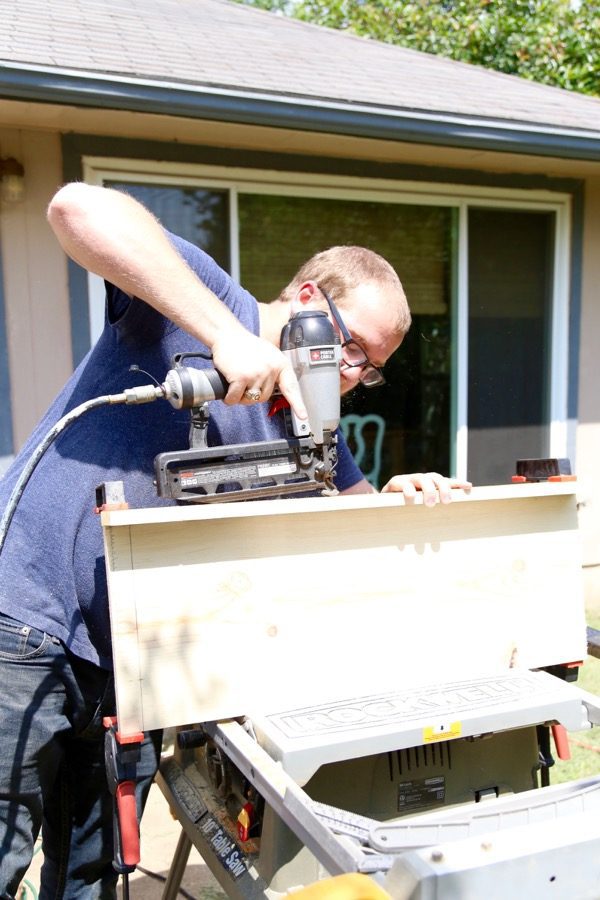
79	88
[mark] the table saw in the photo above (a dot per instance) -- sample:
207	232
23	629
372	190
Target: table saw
358	684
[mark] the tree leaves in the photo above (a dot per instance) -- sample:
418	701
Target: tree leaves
555	42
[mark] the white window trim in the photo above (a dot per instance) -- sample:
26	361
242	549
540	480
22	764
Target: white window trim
97	170
460	367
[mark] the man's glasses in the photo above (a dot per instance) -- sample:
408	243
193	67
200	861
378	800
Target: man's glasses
353	355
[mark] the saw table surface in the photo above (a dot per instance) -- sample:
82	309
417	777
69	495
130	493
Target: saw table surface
306	738
219	610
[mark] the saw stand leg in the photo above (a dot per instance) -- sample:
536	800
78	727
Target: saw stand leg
180	859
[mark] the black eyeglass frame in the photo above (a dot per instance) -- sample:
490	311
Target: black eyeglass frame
366	365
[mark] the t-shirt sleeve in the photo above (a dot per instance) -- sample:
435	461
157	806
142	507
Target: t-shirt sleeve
208	271
214	277
347	472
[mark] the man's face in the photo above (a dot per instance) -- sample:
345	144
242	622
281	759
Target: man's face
369	313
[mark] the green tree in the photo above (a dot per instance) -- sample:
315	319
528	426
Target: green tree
556	42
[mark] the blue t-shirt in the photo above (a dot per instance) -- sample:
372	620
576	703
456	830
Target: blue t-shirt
52	572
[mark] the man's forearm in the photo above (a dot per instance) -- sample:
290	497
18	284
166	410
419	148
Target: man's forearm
112	235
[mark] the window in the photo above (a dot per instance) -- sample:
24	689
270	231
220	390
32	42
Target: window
481	378
510	309
200	216
416	240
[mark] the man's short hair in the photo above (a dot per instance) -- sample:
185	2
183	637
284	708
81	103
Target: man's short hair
341	269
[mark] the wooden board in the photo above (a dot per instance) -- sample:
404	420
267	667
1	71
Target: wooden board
244	608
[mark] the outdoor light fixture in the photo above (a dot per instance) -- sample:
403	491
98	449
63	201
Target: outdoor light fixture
12	180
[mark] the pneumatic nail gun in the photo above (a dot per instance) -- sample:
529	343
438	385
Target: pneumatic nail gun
302	461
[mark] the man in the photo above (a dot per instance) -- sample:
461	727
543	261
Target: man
163	296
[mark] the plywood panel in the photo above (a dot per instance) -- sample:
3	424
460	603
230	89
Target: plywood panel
227	610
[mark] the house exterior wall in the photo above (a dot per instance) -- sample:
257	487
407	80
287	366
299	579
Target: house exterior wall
35	273
36	303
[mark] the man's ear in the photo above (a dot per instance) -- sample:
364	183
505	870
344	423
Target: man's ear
306	294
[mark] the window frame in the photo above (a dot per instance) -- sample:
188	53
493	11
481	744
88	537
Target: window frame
97	170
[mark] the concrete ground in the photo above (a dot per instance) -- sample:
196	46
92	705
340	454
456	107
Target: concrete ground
159	836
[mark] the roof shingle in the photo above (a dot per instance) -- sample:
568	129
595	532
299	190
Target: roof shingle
217	43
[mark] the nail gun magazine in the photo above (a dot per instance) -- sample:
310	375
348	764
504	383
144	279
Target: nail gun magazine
304	461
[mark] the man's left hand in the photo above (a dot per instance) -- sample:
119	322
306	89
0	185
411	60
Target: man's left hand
434	487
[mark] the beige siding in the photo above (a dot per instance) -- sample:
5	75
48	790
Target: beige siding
35	282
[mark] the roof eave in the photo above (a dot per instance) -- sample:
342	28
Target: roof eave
76	88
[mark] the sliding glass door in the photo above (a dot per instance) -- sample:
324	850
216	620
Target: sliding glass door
277	234
481	283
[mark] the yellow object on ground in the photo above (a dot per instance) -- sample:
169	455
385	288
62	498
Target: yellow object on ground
352	886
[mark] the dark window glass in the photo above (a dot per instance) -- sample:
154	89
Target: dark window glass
510	290
200	216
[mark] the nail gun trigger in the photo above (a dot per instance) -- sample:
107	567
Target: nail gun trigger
277	405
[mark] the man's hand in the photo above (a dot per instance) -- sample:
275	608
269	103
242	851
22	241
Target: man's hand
253	363
434	487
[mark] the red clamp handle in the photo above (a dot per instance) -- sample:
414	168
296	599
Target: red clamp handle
561	741
128	823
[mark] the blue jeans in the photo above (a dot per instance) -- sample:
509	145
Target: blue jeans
52	774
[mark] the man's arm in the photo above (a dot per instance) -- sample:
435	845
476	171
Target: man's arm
434	487
114	236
